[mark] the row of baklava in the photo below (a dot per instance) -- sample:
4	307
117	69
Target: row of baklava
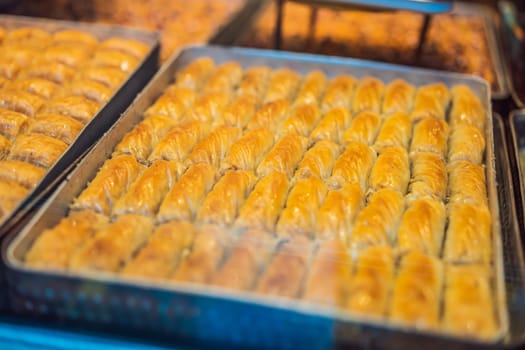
414	293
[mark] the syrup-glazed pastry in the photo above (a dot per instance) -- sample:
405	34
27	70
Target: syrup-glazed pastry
23	173
209	108
254	81
364	128
11	195
57	126
71	55
195	74
395	132
282	84
429	176
431	101
41	87
111	77
311	88
353	165
270	115
5	147
116	59
331	126
90	89
129	46
174	102
338	93
466	143
37	149
28	36
430	135
391	170
12	123
368	95
240	111
318	161
247	152
74	36
301	120
21	101
467	108
54	71
284	156
467	183
224	78
77	107
399	97
212	149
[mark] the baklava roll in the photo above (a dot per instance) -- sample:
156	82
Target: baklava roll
115	59
141	140
264	204
287	271
57	126
224	78
222	204
466	143
114	245
209	248
212	149
194	74
395	132
338	93
248	256
353	165
12	123
28	36
209	108
77	107
254	81
331	126
318	161
185	195
468	237
11	195
329	275
301	120
429	176
90	89
147	191
9	68
110	182
74	36
111	77
21	101
129	46
371	284
41	87
422	227
56	72
467	183
159	257
336	215
37	149
417	291
311	88
69	54
430	135
20	55
282	84
391	170
173	103
23	173
284	156
5	147
469	304
399	97
431	101
363	128
55	246
247	152
376	224
467	108
368	95
240	111
179	141
304	200
270	115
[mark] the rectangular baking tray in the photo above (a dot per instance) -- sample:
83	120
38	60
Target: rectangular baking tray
205	313
410	5
106	115
491	19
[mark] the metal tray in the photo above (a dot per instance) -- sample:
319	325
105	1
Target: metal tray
106	115
212	314
430	7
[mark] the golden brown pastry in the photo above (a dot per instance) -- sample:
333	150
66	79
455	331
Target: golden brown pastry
21	101
111	181
208	108
329	274
240	111
336	215
179	141
114	245
331	126
466	143
318	160
338	93
285	274
140	141
282	84
41	87
78	107
9	68
23	173
467	108
468	238
264	204
186	195
368	95
247	152
57	126
284	156
115	59
194	74
54	71
212	149
224	78
11	195
431	101
174	103
129	46
55	246
111	77
270	115
311	89
28	36
395	132
469	307
467	183
90	89
364	128
5	147
422	227
19	54
391	170
75	36
399	97
417	291
37	149
71	55
222	204
12	123
209	248
301	120
353	165
147	191
430	135
254	81
163	250
304	200
371	284
429	176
